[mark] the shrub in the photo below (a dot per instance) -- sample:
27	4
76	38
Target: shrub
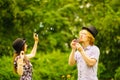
53	66
101	69
6	69
117	74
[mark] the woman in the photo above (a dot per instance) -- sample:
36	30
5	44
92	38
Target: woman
22	65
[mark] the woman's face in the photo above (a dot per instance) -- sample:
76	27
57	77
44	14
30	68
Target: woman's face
25	47
83	36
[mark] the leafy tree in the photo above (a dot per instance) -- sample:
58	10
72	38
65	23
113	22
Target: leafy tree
58	21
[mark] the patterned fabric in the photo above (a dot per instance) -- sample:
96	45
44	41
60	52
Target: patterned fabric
27	69
86	72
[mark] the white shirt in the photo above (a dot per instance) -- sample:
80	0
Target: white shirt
84	71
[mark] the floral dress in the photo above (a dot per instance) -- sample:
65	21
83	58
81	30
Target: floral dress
27	69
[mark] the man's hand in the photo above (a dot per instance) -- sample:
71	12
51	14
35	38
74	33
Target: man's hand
73	44
79	47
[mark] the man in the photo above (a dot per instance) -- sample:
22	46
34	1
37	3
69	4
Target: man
85	54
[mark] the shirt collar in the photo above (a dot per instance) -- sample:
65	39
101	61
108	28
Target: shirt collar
88	47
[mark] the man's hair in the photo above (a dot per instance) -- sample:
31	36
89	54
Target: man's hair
91	38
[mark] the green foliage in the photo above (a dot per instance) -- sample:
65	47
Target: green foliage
53	66
101	69
6	69
117	74
50	66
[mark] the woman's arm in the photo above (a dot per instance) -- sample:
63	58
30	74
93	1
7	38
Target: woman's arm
20	68
20	63
33	52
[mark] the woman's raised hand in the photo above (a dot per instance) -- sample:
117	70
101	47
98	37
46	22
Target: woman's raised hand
35	36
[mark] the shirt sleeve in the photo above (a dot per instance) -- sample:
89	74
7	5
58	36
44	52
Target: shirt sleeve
76	55
95	52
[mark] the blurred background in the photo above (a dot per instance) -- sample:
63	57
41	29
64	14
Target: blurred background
57	22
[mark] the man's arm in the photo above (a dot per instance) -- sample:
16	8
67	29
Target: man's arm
71	58
88	60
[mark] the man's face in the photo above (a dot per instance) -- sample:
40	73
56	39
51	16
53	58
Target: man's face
83	36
